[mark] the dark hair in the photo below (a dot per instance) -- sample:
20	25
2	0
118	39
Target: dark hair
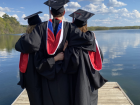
57	15
59	12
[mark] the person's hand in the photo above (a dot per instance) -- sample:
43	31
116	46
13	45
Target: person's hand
59	57
65	46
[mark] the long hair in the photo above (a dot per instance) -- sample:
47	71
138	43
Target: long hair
30	29
84	28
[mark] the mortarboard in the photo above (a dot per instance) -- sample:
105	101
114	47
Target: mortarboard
34	18
81	17
57	6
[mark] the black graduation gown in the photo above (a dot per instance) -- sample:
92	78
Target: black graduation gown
30	79
83	79
55	83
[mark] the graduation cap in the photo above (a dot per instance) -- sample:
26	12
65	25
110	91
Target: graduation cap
34	18
57	6
81	17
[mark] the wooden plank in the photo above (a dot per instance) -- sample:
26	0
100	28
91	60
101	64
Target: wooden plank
23	92
110	94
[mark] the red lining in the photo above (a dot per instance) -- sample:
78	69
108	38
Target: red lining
95	59
23	62
52	42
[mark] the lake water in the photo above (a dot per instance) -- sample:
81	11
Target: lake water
121	49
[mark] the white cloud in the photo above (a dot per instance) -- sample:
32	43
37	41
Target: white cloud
103	9
94	1
15	16
45	17
6	9
70	10
110	16
98	9
65	5
115	3
22	7
18	11
136	13
106	21
23	16
72	7
1	13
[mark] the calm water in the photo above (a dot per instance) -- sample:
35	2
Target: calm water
121	49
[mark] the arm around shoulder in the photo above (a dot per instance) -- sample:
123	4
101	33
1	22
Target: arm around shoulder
29	43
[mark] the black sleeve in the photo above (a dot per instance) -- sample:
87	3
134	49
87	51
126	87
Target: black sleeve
77	38
29	43
44	65
71	60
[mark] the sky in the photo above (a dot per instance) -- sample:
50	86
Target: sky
107	12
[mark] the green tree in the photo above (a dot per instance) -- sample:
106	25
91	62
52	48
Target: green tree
10	25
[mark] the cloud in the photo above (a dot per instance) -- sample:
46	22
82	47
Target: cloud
23	16
45	17
105	21
70	10
15	16
1	13
115	3
6	9
22	7
100	9
103	9
94	1
110	16
72	7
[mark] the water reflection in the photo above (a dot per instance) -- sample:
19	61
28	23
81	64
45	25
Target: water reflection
115	44
9	76
7	42
121	49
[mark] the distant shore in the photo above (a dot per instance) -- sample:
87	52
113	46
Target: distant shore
92	28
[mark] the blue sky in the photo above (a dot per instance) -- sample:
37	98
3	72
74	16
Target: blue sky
107	12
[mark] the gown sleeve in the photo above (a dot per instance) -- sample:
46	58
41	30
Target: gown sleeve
29	43
45	65
79	39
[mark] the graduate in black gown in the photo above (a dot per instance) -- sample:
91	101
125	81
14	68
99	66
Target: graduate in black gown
83	65
29	78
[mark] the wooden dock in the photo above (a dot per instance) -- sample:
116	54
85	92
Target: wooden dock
110	94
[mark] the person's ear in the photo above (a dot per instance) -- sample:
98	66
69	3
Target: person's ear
64	13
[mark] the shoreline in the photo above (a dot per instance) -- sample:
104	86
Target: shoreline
98	28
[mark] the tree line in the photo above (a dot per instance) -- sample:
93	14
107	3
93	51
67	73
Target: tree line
10	25
112	28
